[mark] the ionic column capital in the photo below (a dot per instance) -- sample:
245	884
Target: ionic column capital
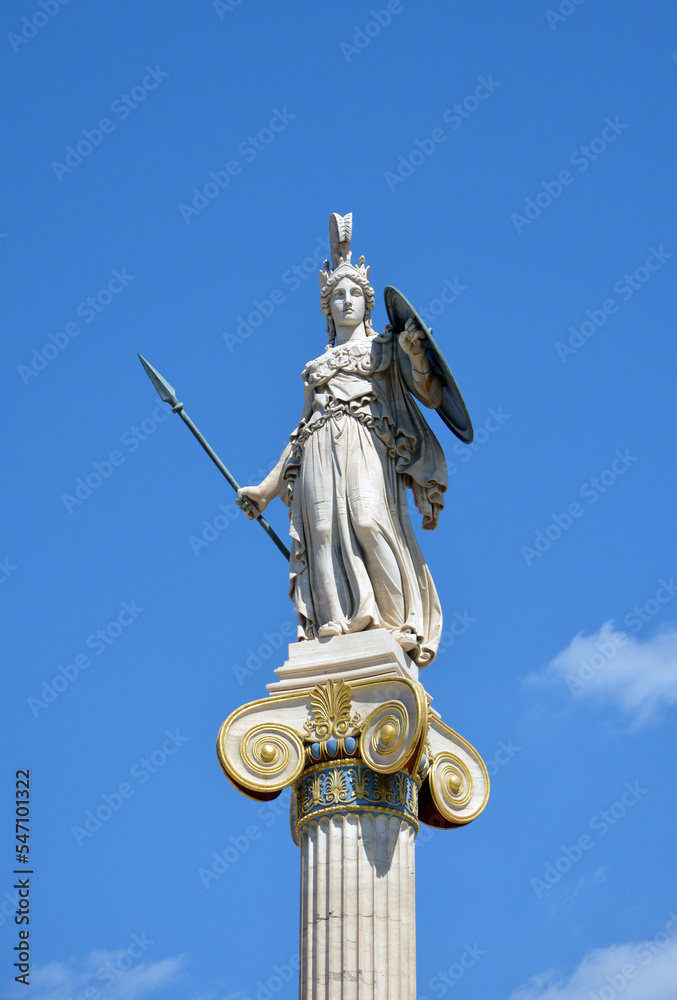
335	739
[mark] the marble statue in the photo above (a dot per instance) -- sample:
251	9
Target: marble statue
361	442
347	725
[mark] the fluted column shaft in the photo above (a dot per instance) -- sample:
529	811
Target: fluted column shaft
358	935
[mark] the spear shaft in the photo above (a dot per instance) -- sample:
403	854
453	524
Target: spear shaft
168	395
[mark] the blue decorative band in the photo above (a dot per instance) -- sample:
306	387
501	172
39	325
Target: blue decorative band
346	787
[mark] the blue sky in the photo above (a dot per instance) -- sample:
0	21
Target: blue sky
208	145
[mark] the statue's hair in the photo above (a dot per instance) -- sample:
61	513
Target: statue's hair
361	277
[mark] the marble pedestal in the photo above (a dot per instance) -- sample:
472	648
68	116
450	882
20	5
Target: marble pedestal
350	728
352	657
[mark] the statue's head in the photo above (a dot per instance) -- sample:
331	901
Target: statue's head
347	303
345	288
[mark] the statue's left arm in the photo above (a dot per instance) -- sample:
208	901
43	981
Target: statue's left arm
417	371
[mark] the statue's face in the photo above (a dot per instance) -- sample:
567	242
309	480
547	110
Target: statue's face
347	303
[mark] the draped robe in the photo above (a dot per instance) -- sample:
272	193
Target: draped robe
361	442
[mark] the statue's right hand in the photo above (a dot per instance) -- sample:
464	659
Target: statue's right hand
251	500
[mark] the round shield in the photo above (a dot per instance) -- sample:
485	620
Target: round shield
452	411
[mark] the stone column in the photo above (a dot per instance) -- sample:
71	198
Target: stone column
350	728
358	932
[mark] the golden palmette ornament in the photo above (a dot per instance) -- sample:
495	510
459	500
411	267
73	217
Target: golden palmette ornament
331	705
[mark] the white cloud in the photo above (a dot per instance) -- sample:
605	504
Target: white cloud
611	666
645	970
114	975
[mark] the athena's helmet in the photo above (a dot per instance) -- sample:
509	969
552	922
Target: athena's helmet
340	232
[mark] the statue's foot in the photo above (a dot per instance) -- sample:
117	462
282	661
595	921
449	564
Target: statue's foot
329	629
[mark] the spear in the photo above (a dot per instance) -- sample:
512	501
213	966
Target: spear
168	395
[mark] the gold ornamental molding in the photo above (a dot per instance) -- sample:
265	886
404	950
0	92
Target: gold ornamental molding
331	707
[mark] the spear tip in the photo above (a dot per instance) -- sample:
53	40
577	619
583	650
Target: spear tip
165	391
